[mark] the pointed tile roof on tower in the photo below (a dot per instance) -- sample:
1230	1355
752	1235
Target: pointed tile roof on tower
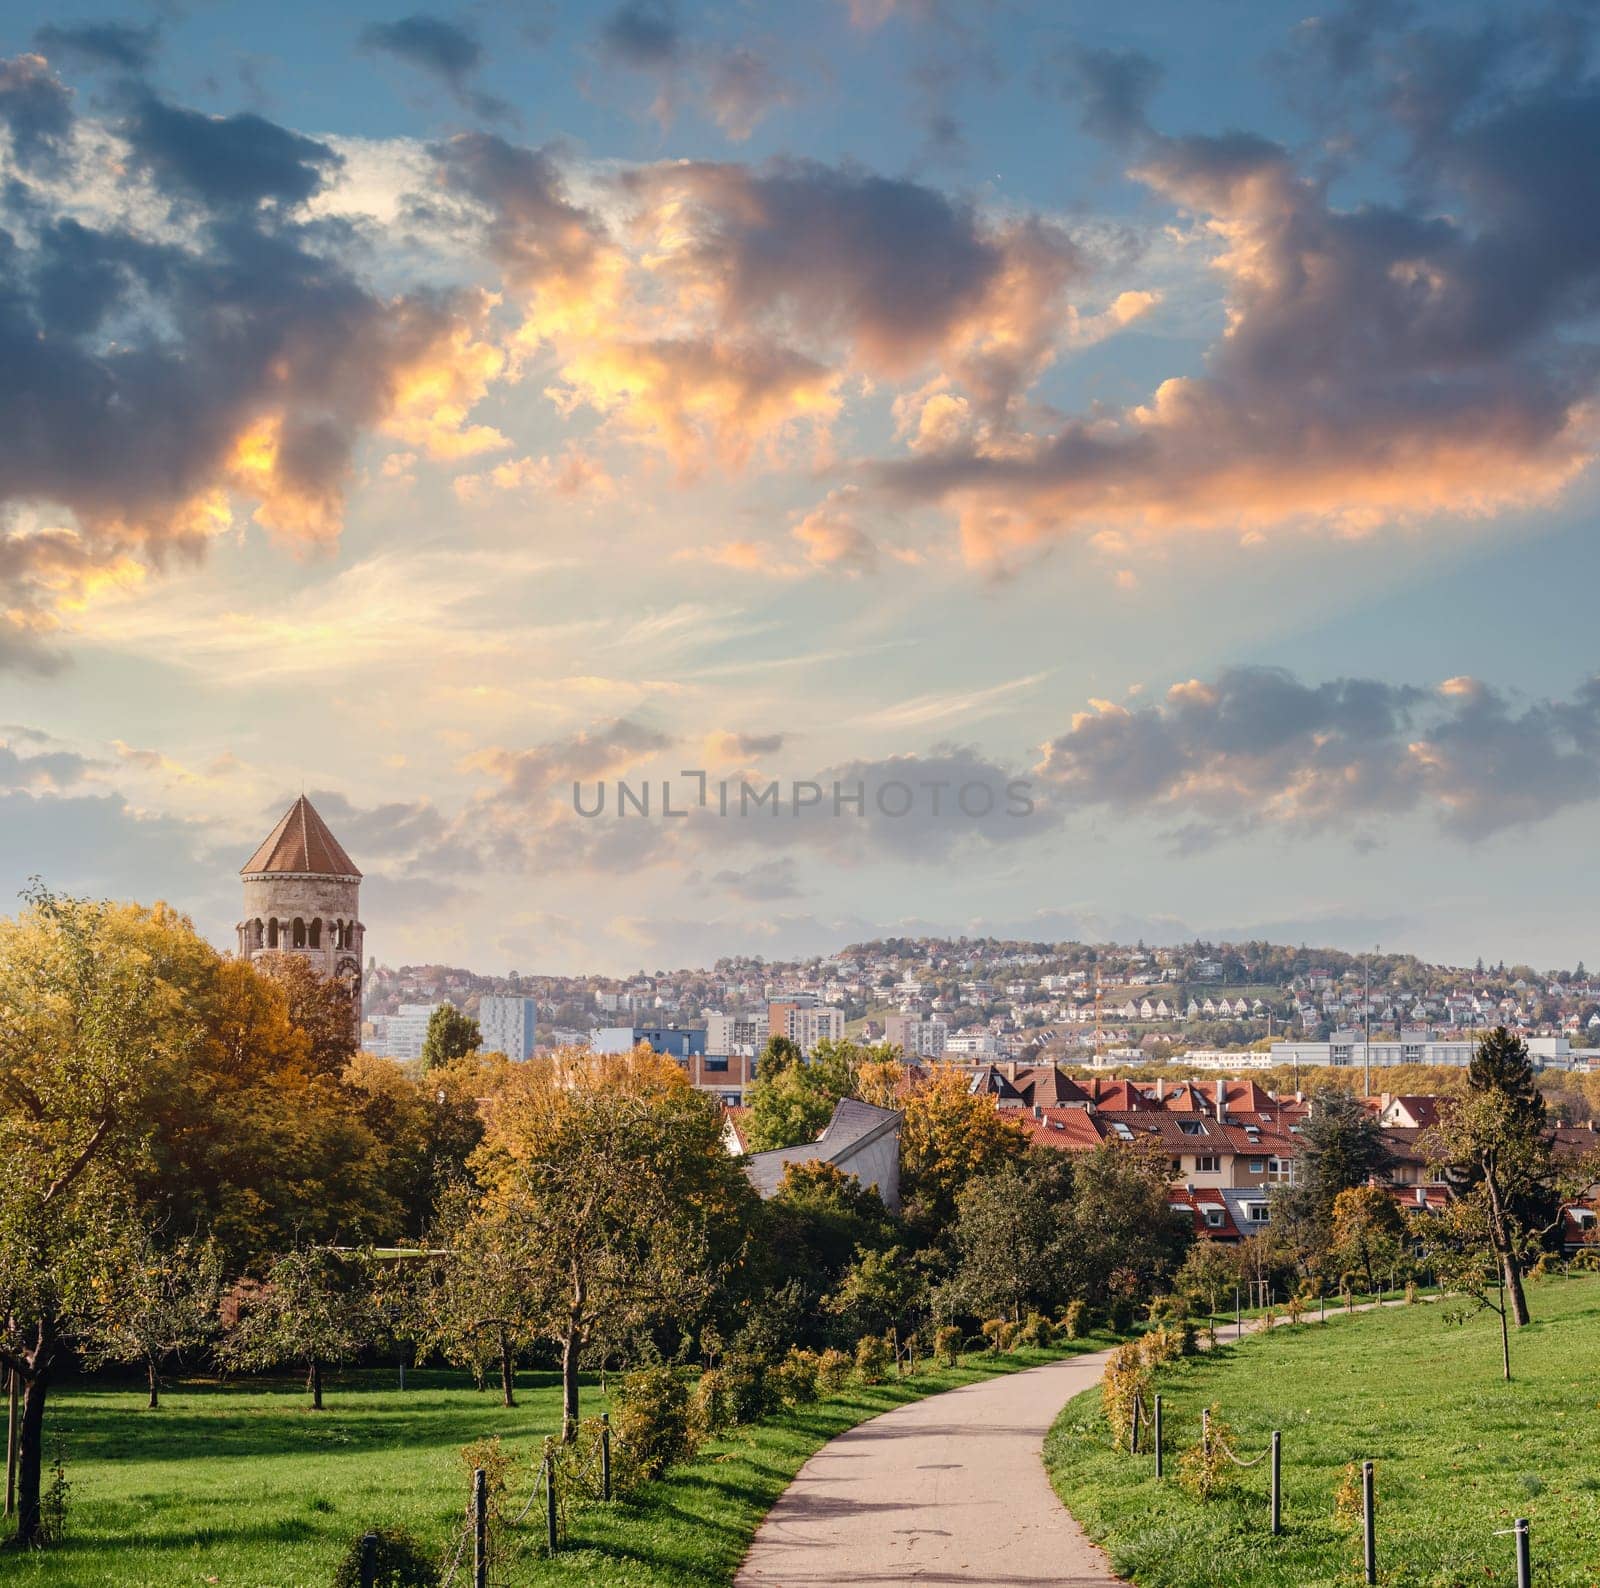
301	843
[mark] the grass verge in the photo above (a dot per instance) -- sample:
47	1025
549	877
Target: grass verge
1459	1453
239	1485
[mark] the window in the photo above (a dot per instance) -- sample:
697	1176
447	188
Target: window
1192	1127
719	1062
1256	1212
1281	1170
1207	1163
1258	1166
1214	1217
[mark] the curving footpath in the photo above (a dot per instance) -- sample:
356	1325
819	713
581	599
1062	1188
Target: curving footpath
951	1489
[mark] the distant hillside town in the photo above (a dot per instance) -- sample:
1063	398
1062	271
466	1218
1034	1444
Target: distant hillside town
1223	1006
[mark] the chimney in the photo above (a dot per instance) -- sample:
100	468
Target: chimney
1161	1088
1422	1196
1299	1097
1222	1098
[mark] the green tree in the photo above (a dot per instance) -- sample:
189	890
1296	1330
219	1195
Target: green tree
156	1301
611	1178
949	1136
314	1309
1368	1230
880	1293
1342	1147
1209	1276
779	1054
1124	1241
93	1022
1010	1239
793	1100
451	1035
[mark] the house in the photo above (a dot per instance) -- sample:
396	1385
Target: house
860	1140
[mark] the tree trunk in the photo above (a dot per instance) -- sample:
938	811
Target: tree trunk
570	1347
155	1385
1505	1249
314	1384
30	1460
507	1373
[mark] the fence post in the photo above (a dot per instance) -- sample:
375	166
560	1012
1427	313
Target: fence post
1238	1317
1158	1436
550	1501
1205	1428
480	1528
1524	1554
369	1560
605	1455
1133	1432
1369	1527
1277	1483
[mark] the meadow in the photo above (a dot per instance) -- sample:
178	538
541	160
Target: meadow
239	1485
1459	1454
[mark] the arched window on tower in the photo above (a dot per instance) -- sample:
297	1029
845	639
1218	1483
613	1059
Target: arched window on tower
257	933
299	933
316	933
272	933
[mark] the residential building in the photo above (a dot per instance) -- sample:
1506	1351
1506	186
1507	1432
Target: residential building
859	1140
508	1025
402	1034
736	1033
805	1023
916	1039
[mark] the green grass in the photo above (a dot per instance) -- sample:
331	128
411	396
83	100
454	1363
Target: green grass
1458	1453
241	1486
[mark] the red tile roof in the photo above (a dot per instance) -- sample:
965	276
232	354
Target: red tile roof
300	843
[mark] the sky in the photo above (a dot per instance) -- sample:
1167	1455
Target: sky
1113	472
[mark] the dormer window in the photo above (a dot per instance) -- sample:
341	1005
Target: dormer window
1192	1127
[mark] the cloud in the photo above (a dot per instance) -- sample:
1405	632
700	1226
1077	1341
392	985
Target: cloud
724	748
1387	361
643	34
120	45
741	89
156	375
35	110
831	538
443	49
47	769
1112	89
760	884
1256	746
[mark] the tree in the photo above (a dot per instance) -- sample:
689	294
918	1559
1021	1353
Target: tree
451	1035
610	1174
1343	1147
1368	1230
92	1023
1124	1240
793	1098
816	1221
879	1291
780	1054
156	1301
949	1136
1010	1239
315	1309
475	1301
1494	1142
1209	1277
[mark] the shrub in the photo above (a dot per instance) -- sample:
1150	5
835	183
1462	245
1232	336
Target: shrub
1585	1262
1188	1338
402	1563
1127	1376
1411	1292
947	1343
1037	1330
1295	1307
833	1371
999	1333
496	1464
55	1497
1347	1497
1075	1319
1168	1309
575	1469
795	1377
1160	1345
749	1396
872	1358
1204	1468
1120	1315
650	1423
709	1410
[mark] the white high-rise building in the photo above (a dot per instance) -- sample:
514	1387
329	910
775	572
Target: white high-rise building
727	1034
401	1035
509	1025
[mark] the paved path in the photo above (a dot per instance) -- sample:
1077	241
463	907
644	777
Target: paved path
950	1489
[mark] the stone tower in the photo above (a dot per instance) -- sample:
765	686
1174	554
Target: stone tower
302	897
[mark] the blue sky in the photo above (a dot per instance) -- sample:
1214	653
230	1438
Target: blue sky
1187	410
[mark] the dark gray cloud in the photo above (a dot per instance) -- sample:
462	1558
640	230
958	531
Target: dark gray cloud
35	110
227	162
443	49
123	46
642	33
1111	89
43	769
1256	746
146	378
